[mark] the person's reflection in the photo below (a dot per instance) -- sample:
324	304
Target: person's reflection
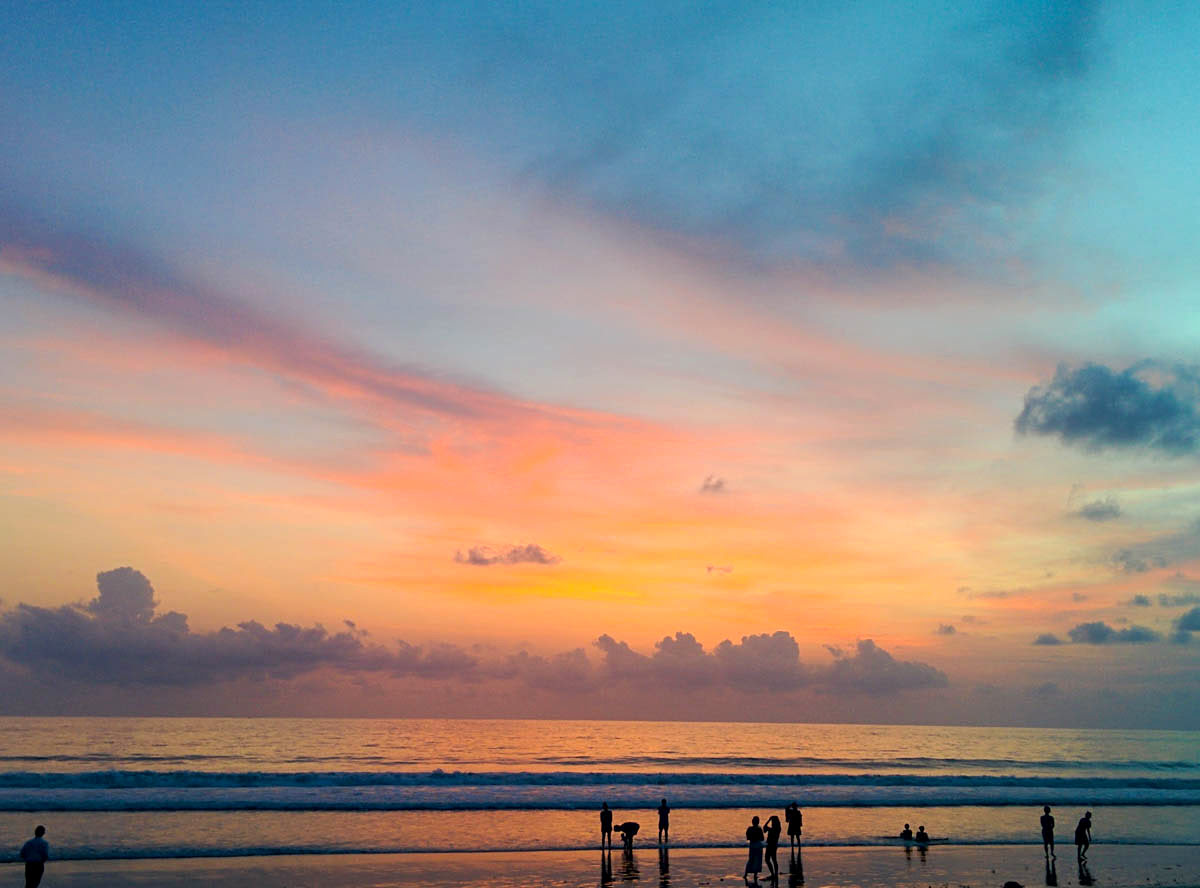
796	872
629	867
908	855
923	850
1085	875
664	866
1051	873
606	867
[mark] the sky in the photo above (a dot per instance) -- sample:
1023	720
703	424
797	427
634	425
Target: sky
790	362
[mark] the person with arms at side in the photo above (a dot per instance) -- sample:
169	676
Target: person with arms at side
664	822
1047	832
605	825
35	853
922	837
906	833
755	836
795	822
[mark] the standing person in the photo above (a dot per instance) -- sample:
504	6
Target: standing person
664	822
774	830
35	853
795	821
754	835
1083	836
605	826
1047	832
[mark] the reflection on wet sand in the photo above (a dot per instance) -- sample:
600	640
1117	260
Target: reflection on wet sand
796	870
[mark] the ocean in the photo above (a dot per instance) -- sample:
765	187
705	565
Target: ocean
159	787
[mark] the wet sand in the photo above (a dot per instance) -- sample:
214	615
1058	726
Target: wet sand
978	866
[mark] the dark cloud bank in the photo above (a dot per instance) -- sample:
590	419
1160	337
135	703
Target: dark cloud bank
119	639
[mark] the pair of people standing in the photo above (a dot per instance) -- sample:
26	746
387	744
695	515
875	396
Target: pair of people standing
764	842
1083	834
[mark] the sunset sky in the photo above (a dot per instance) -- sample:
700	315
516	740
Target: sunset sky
849	348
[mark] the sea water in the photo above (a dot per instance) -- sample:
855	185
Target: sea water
109	788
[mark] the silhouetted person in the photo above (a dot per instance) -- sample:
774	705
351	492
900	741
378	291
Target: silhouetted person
922	837
1047	832
755	836
906	833
795	821
1051	873
35	853
773	831
628	830
1083	836
605	825
664	822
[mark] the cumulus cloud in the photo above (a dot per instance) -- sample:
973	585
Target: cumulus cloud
1101	633
484	556
1107	509
1047	638
1190	621
119	639
1186	591
873	670
1150	405
713	484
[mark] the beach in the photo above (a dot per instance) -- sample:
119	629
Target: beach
1113	866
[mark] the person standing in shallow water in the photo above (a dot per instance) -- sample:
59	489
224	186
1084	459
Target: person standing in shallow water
605	826
1083	836
1047	832
755	836
35	853
795	822
773	830
664	822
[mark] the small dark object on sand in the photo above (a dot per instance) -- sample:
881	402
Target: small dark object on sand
1011	884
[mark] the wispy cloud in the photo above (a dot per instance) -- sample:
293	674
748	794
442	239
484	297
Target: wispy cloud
142	286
